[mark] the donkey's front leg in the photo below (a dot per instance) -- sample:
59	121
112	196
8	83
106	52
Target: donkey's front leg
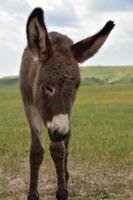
66	142
58	153
36	157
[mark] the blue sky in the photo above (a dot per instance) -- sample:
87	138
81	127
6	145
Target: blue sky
77	19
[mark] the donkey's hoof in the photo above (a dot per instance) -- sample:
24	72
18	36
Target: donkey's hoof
33	197
62	194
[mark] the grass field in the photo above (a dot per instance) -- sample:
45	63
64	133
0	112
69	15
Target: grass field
101	148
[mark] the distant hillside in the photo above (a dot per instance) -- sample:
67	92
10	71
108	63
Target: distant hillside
11	81
107	75
90	75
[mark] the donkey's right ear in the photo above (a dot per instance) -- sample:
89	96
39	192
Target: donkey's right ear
37	35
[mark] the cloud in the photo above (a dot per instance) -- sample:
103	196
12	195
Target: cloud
112	5
62	13
61	18
12	41
14	6
13	17
77	19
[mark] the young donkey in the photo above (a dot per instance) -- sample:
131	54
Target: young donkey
49	79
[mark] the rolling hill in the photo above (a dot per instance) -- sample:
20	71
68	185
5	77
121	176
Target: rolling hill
91	76
9	81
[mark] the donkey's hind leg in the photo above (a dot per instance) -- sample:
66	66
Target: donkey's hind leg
36	150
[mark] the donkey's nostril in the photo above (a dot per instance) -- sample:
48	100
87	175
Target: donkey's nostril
56	137
50	90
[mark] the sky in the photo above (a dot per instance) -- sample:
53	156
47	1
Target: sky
77	19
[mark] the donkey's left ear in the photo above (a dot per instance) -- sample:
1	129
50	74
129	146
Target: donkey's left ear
37	35
88	47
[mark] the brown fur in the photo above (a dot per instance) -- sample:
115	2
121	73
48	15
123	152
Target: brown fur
49	79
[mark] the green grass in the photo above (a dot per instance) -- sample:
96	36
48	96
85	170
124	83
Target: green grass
101	148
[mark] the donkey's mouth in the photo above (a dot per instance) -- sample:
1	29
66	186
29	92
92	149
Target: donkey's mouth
55	136
58	127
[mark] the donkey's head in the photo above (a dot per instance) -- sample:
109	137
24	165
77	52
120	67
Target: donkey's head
57	77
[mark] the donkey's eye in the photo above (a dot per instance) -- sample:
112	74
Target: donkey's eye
50	90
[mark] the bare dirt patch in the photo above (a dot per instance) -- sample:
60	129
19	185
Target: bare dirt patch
93	183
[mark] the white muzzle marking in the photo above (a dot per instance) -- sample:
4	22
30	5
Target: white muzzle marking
59	123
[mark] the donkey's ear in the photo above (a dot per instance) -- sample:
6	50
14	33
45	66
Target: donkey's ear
88	47
37	35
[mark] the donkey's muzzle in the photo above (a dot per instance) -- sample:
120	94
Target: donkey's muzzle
55	136
58	127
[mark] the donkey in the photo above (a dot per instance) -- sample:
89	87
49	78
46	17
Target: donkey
49	80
